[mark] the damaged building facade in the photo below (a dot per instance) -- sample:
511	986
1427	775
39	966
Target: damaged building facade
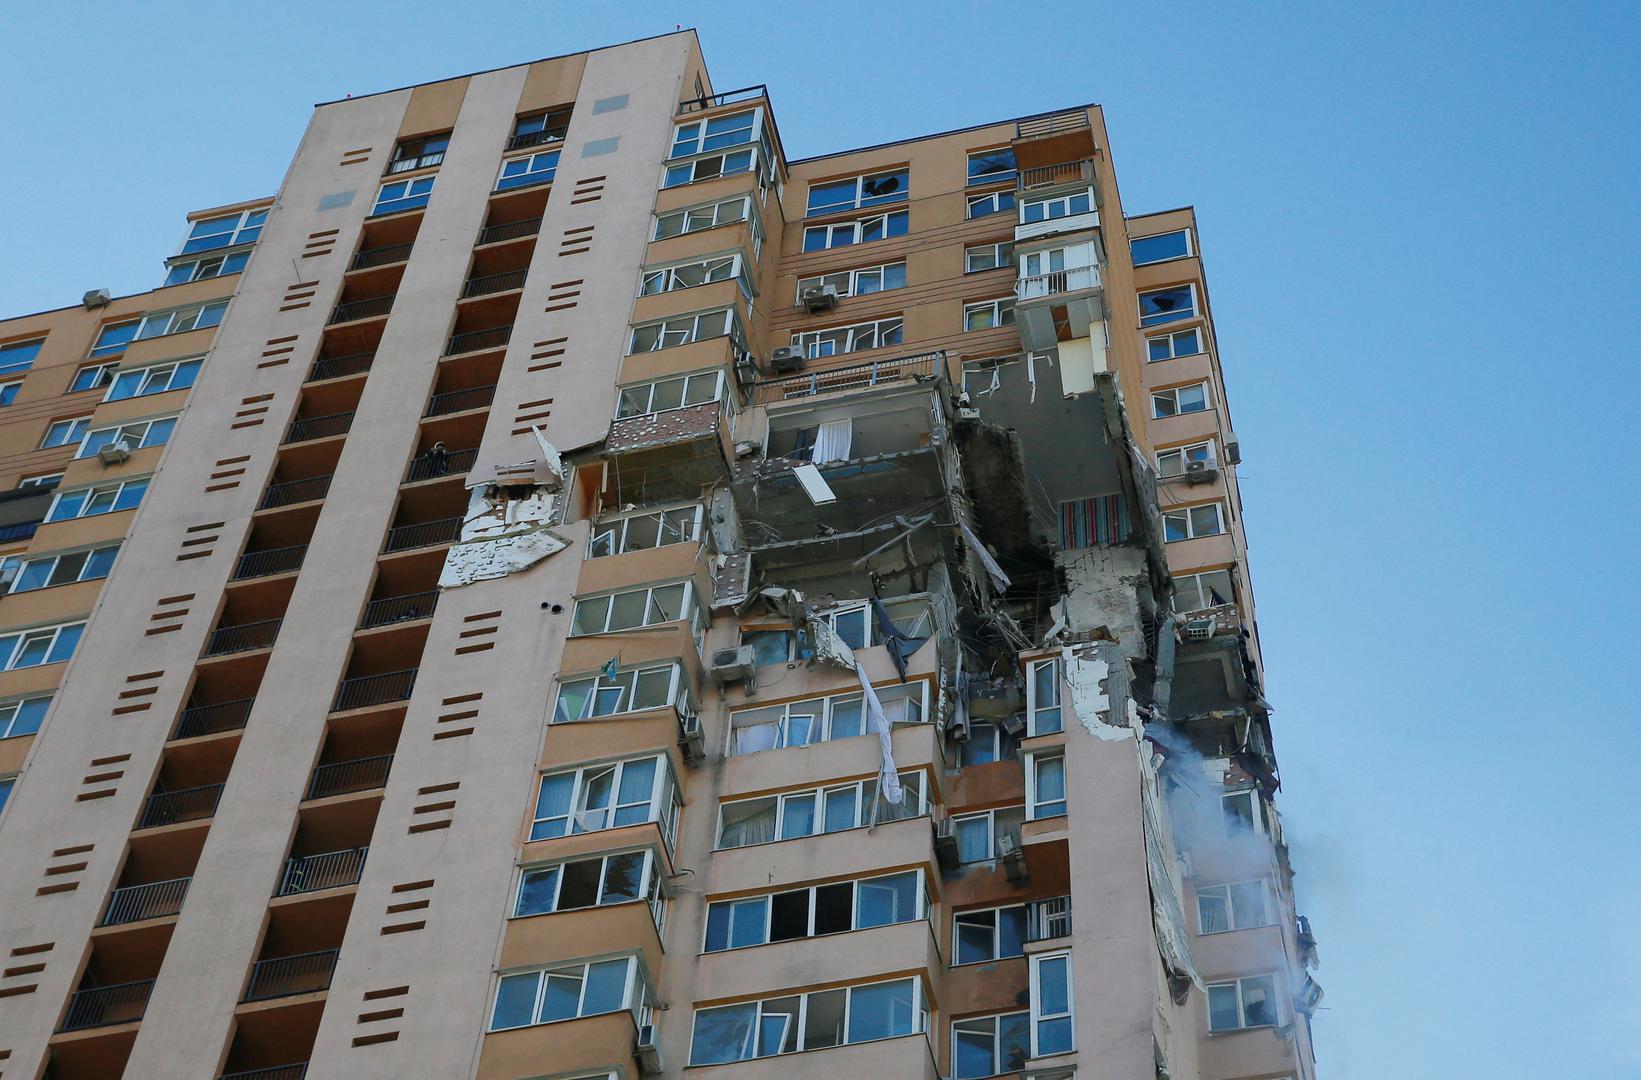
714	614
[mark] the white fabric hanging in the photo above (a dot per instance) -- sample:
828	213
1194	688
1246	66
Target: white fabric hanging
832	441
888	777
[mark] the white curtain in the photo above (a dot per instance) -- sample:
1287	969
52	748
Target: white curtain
832	442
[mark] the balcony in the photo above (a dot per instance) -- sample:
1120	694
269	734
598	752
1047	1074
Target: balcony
493	283
287	492
468	341
509	230
1048	919
369	258
1051	138
413	162
100	1006
328	870
135	903
923	367
275	1072
281	560
305	429
368	691
1063	172
546	135
398	609
1077	279
287	976
183	804
666	455
454	401
431	466
227	640
198	720
728	97
346	777
373	307
340	367
423	534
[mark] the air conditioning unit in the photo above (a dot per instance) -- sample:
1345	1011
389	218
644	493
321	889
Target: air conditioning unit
1013	724
690	739
1233	449
739	664
646	1052
1201	472
96	298
965	413
746	369
945	846
1201	629
1012	855
819	298
113	453
786	360
1308	998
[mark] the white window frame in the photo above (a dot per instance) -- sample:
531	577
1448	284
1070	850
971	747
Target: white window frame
45	480
98	348
692	221
1002	748
1198	599
1038	1016
714	268
206	267
13	643
180	320
1233	913
1037	808
13	568
920	1019
411	188
996	932
992	827
17	367
686	608
133	435
848	282
1171	462
618	527
857	337
92	492
1002	255
910	778
9	389
767	900
1256	807
1239	985
678	695
244	222
692	137
1161	400
1162	318
1044	718
68	426
12	708
1182	522
689	378
688	329
860	200
1064	203
102	375
148	378
997	201
662	810
914	694
857	230
697	170
650	884
996	1020
1001	309
533	172
1193	332
635	982
1190	246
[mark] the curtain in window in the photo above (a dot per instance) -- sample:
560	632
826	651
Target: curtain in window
756	738
1093	522
832	442
743	826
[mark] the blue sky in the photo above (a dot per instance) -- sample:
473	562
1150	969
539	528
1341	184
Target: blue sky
1419	223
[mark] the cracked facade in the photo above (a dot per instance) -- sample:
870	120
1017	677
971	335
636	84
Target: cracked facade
612	600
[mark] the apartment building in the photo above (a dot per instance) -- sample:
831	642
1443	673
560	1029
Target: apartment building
622	601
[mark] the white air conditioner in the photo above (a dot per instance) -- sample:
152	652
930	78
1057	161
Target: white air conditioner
646	1052
690	739
1013	724
819	298
1201	472
1201	629
1233	449
738	664
96	298
786	360
114	453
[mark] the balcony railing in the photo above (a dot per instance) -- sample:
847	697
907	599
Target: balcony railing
370	308
272	1072
200	720
493	283
410	164
473	340
451	463
287	492
397	609
283	976
99	1006
1064	172
382	256
337	367
134	903
226	640
183	804
423	534
508	230
303	429
1035	127
537	138
254	564
728	97
1075	279
332	870
1048	919
923	366
453	401
344	777
363	691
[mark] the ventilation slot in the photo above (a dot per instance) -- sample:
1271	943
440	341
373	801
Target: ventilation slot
355	157
130	699
588	189
19	966
548	352
320	243
404	899
167	617
98	774
299	296
482	625
197	542
530	414
459	723
576	241
277	351
565	292
435	814
229	468
252	412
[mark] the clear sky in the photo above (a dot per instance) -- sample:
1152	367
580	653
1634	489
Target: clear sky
1419	224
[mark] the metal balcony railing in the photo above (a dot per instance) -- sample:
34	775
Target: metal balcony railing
397	609
318	427
1064	172
451	463
343	777
452	401
254	564
134	903
1048	919
99	1006
728	97
363	691
286	492
473	340
226	640
922	366
223	716
410	164
423	534
283	976
337	367
508	230
537	138
272	1072
331	870
1035	127
493	283
183	804
1075	279
369	308
382	256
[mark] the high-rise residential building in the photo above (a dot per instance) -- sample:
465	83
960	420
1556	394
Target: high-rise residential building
563	590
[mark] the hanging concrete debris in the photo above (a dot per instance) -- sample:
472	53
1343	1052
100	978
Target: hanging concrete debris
507	527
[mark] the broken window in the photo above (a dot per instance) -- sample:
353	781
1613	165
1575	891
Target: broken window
631	690
1209	589
1187	523
858	192
978	835
987	257
1179	400
701	136
1168	305
690	274
1242	1003
988	314
1051	1027
776	646
994	203
634	608
1168	346
1171	463
1046	785
979	937
1043	697
684	329
861	231
1160	247
809	1021
639	532
1241	905
823	909
847	339
987	742
992	166
824	719
1053	207
870	279
584	883
609	796
1243	811
989	1045
743	822
699	218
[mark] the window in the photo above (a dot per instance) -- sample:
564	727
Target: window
862	231
524	171
1242	1003
155	380
1168	305
42	572
565	993
821	909
1209	589
93	377
684	329
862	282
987	257
994	203
6	784
1097	521
812	1021
992	166
8	392
136	436
22	716
1171	463
988	314
538	128
99	499
821	719
1168	346
989	1045
1179	400
1242	811
979	937
858	192
1045	785
639	532
708	168
634	608
690	274
678	392
1043	697
987	742
1190	522
978	834
838	808
1051	1028
1238	906
403	195
209	267
1160	248
718	133
1052	207
600	881
612	796
230	230
419	153
182	320
701	218
19	355
631	690
65	432
113	338
46	480
43	645
877	334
